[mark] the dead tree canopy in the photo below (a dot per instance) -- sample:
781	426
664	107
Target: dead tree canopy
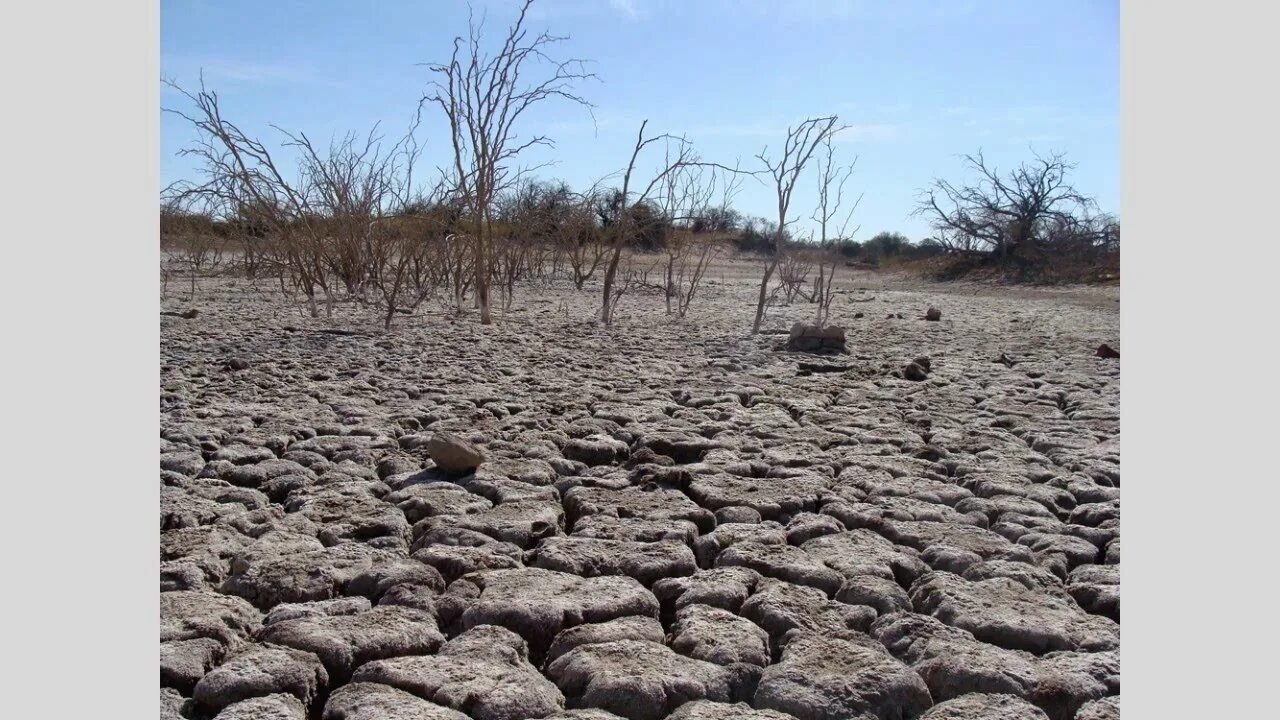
802	141
483	95
1004	214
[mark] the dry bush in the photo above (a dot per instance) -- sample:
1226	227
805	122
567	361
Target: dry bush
483	95
802	140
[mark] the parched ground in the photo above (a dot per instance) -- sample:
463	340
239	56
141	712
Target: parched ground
674	518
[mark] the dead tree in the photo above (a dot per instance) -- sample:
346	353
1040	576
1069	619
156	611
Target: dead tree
831	182
483	97
628	277
1003	215
687	202
584	244
794	269
622	228
799	147
399	251
322	222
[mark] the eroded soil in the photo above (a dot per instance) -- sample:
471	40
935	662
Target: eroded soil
674	518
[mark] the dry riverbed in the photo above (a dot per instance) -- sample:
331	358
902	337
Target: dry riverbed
674	518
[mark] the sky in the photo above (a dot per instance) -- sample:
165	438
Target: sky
918	83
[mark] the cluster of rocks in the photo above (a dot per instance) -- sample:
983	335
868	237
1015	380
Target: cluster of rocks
816	338
655	523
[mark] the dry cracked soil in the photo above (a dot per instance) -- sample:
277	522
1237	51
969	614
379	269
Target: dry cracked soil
673	518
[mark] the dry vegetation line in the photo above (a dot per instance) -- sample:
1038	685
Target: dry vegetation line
674	518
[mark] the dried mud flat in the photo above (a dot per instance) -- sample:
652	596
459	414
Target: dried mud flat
674	518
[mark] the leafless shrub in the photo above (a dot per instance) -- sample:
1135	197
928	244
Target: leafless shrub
831	182
802	140
793	273
483	96
1004	215
323	226
679	154
687	202
583	244
193	237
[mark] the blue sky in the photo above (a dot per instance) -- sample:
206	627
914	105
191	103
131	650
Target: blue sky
918	82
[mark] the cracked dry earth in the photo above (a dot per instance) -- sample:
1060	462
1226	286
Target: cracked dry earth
674	518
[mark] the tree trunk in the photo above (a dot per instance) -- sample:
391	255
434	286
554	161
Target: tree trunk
671	290
606	312
764	289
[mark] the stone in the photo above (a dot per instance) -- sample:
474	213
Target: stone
814	338
933	314
915	372
453	454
